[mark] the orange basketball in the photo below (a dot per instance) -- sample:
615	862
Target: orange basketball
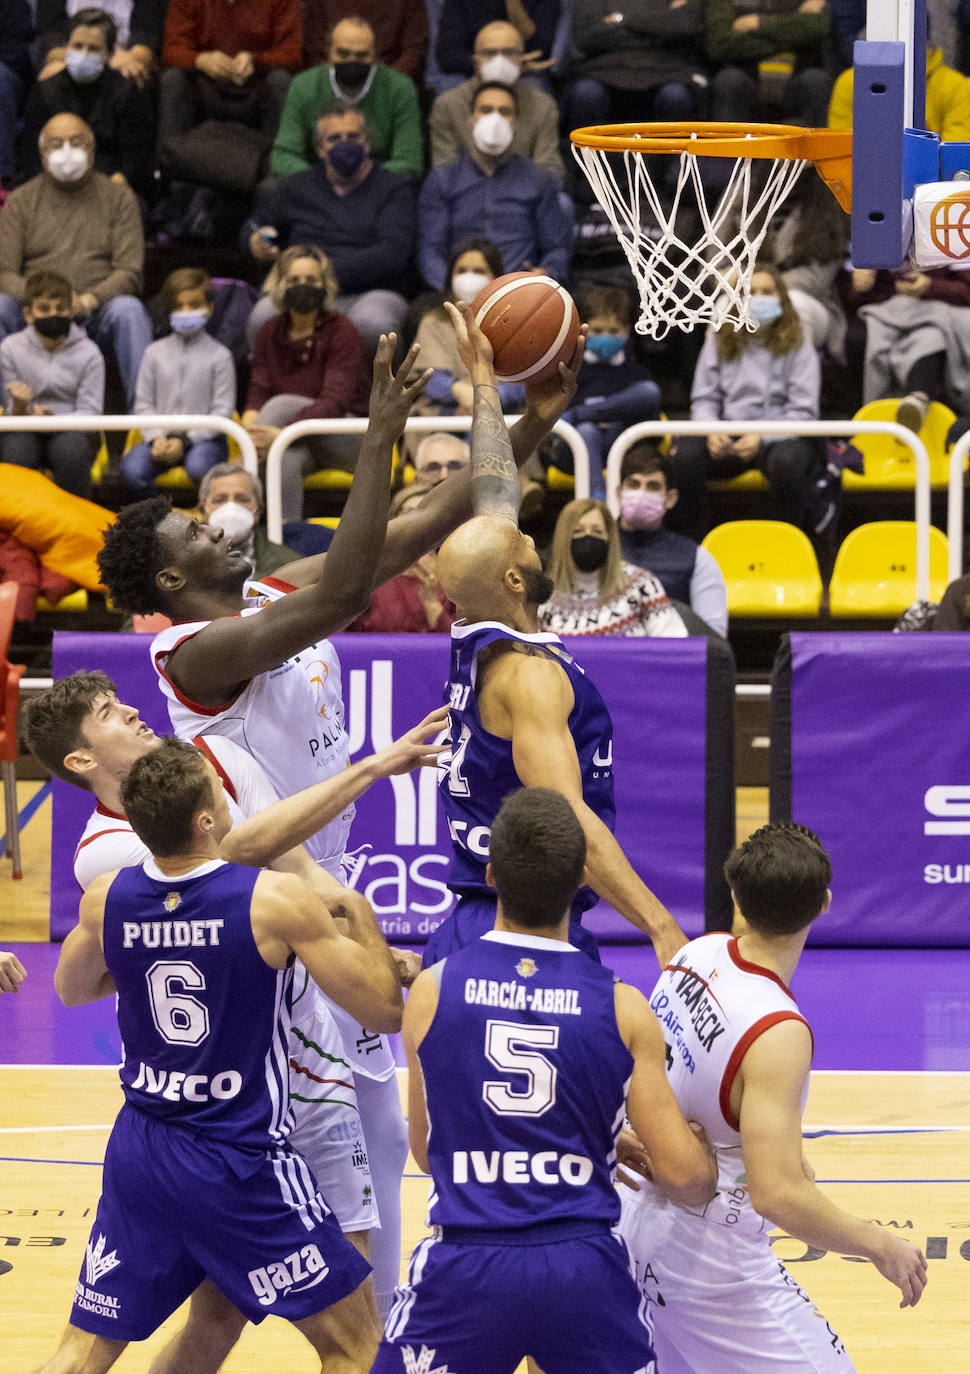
531	322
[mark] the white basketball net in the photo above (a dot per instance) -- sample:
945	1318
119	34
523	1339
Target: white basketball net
684	284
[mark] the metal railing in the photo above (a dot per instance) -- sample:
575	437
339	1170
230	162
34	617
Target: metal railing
46	424
954	508
421	424
655	429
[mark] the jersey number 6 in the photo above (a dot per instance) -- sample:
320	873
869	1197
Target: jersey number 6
179	1018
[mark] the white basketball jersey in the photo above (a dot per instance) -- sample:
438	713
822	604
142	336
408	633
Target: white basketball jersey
712	1005
291	718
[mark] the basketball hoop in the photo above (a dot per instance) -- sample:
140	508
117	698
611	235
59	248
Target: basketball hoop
709	281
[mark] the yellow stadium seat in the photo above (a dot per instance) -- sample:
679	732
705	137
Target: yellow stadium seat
752	480
331	521
875	569
889	464
770	568
557	480
74	601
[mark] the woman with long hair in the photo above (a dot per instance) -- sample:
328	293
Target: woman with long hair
596	592
308	364
771	373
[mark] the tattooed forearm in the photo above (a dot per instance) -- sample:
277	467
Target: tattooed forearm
495	479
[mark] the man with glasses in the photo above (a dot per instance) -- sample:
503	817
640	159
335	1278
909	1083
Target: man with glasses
437	456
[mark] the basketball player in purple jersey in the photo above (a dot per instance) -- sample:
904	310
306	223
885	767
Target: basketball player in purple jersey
199	1181
523	1055
523	713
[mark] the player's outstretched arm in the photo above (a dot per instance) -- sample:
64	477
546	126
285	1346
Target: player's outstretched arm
772	1077
12	972
82	974
535	695
419	1012
680	1165
495	478
263	838
355	970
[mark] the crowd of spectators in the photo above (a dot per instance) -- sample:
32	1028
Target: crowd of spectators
359	163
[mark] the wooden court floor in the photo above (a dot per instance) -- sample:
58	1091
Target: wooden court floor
894	1147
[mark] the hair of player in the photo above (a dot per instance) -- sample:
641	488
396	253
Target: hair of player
47	285
132	557
642	458
488	250
54	721
537	852
561	567
496	86
95	18
163	792
605	300
186	279
231	470
779	878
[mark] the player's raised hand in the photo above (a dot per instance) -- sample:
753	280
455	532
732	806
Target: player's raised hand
413	749
393	393
903	1264
549	399
12	972
474	348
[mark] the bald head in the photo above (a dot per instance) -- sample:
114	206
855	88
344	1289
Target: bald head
65	128
67	149
491	571
498	52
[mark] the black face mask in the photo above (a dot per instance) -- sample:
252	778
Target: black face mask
53	326
589	551
350	75
304	298
538	587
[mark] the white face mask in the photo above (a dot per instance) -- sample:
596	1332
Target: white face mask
492	134
235	519
465	286
501	69
67	163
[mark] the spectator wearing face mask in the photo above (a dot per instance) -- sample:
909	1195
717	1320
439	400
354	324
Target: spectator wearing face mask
492	192
473	264
688	573
362	216
232	498
352	77
140	25
74	220
51	368
459	22
186	373
596	591
118	112
499	55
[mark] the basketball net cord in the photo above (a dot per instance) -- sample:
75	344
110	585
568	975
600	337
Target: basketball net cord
684	284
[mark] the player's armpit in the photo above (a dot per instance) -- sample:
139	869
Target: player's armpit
681	1164
82	974
418	1014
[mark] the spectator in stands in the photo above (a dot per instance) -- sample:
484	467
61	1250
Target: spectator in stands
118	110
645	60
186	373
499	56
459	22
308	364
596	592
947	100
412	602
363	216
473	264
847	23
51	368
743	33
74	220
494	192
771	374
613	389
688	572
16	74
810	245
227	60
400	31
436	457
917	338
232	498
352	77
140	25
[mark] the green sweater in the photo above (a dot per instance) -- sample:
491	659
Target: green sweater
390	107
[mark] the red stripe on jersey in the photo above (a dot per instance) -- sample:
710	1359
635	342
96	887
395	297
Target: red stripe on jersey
187	701
97	835
741	1049
740	962
115	815
200	743
277	584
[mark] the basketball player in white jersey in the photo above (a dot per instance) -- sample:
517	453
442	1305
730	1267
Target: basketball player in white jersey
262	671
738	1059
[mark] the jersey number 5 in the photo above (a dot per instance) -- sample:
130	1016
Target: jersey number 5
180	1019
504	1047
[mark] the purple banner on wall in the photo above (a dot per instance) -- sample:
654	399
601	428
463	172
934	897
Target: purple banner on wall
656	693
880	768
